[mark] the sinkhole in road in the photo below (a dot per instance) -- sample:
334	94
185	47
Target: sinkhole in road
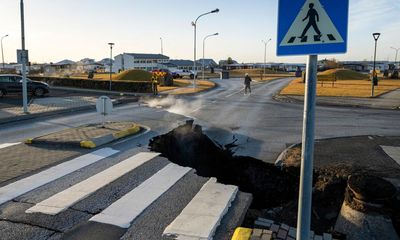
189	147
274	189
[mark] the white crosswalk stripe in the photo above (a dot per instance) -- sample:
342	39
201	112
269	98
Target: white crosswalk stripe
122	212
6	145
201	217
61	201
30	183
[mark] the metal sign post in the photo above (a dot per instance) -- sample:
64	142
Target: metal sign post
310	27
307	151
104	107
24	61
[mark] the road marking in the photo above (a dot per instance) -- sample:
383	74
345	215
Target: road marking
61	201
393	152
201	217
5	145
30	183
122	212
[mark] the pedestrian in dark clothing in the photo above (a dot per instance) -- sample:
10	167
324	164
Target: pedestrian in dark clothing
247	81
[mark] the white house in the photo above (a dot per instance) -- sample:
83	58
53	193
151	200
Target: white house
140	61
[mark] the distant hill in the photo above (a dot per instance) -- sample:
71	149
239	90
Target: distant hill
133	75
345	74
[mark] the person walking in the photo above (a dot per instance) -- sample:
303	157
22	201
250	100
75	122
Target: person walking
247	81
154	85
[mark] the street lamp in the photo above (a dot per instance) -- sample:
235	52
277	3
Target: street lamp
111	47
194	24
397	51
265	53
374	75
204	46
2	53
162	48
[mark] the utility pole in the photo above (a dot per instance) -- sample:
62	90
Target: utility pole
2	53
111	63
194	24
204	47
162	47
374	75
397	51
265	56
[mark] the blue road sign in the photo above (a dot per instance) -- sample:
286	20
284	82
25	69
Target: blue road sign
307	27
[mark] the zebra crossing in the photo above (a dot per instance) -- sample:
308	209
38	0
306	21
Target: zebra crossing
202	213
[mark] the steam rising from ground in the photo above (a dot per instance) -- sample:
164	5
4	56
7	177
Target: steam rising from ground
176	105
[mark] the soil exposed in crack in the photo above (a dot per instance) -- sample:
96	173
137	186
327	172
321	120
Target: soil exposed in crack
188	146
275	190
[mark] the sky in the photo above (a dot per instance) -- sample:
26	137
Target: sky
77	29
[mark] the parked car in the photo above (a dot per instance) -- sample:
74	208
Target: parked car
180	73
11	83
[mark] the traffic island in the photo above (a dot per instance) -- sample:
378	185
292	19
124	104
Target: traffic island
88	136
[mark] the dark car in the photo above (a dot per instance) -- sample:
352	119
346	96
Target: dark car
10	83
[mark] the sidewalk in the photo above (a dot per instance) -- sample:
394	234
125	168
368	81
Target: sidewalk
47	106
389	100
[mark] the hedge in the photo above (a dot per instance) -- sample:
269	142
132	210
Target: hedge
123	86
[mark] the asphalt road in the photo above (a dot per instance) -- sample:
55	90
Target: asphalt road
262	127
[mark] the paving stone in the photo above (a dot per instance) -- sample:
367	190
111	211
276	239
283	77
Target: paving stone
257	232
282	234
274	228
255	238
292	232
267	232
327	236
266	237
284	226
262	224
290	238
265	220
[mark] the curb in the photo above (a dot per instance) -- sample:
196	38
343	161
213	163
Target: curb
94	142
288	99
242	233
279	160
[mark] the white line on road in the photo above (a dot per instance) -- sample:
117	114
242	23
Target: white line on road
393	152
5	145
61	201
122	212
201	217
30	183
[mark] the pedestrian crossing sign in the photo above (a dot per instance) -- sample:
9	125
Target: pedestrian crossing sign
307	27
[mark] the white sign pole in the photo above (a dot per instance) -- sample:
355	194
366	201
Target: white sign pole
24	62
307	152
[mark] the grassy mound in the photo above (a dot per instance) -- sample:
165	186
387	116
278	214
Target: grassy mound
345	74
133	75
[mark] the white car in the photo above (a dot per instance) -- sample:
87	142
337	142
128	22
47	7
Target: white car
180	73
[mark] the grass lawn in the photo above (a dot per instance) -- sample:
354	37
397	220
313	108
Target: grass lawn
343	88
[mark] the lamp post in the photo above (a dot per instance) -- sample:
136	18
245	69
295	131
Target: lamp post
374	75
2	53
194	24
162	47
111	47
397	51
204	46
265	54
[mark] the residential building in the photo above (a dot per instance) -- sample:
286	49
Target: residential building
140	61
184	64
